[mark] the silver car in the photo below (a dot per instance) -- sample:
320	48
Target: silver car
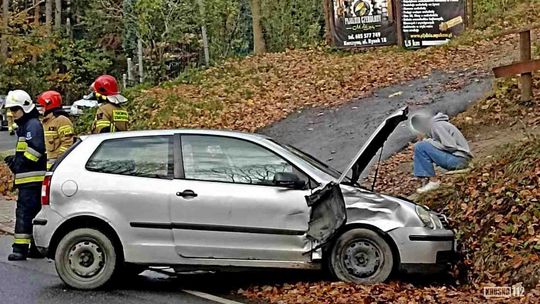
212	200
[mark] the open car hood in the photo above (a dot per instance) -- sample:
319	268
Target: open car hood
373	144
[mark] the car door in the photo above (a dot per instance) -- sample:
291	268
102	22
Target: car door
135	176
227	207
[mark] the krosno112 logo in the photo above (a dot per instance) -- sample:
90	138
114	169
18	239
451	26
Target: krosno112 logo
504	291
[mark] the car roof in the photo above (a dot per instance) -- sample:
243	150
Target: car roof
125	134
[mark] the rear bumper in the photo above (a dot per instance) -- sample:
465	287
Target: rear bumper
423	250
45	224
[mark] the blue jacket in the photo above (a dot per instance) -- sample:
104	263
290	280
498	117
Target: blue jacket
30	161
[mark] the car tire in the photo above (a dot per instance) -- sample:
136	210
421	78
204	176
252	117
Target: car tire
361	256
86	259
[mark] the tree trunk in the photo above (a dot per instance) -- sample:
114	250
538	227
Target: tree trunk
36	23
48	13
57	14
329	25
259	46
3	30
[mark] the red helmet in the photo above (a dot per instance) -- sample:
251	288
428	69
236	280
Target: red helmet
106	85
50	100
106	88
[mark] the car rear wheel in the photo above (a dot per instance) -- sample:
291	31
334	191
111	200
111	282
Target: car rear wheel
85	259
361	256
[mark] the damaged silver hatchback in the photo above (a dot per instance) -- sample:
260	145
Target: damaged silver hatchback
213	200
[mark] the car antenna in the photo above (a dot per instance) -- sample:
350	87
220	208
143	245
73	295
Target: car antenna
377	169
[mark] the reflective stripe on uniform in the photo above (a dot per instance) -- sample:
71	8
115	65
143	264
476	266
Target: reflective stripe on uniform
27	180
103	123
21	146
22	239
49	165
22	236
62	149
29	177
32	154
50	133
120	116
65	130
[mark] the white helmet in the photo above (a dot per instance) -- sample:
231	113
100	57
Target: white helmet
19	98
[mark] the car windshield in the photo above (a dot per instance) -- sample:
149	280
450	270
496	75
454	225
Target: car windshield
311	160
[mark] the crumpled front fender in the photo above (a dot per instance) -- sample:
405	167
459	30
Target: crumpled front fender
384	212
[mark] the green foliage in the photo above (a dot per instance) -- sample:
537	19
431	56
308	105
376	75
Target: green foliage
74	66
83	123
292	23
487	12
229	27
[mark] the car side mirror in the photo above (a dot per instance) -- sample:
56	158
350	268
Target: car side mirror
288	180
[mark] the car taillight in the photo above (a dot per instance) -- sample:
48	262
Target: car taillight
46	190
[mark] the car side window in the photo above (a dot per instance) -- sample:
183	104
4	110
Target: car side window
135	156
225	159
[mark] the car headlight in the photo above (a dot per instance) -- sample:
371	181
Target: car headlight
425	216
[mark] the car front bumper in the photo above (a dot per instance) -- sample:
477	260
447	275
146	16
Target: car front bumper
423	250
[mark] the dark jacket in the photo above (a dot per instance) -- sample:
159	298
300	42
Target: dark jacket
30	161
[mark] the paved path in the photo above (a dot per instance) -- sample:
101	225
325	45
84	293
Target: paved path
7	142
7	215
334	135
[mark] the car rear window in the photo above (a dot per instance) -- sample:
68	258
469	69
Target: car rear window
63	156
135	156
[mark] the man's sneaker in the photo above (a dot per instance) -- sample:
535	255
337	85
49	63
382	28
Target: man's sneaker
428	187
16	256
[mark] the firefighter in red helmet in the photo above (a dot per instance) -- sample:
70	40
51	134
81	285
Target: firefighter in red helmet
111	116
59	132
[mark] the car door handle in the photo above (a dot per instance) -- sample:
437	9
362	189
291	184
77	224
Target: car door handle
187	194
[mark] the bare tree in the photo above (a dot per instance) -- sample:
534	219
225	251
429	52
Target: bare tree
57	14
259	45
5	23
48	13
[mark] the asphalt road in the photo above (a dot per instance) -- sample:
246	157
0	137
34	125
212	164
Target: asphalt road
7	142
35	281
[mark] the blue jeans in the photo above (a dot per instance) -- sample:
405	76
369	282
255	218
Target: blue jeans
425	155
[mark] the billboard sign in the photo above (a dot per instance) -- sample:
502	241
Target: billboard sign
431	22
363	23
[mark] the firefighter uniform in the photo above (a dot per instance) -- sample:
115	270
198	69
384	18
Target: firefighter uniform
59	135
110	118
28	165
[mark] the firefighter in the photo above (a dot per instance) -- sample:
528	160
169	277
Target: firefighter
59	133
12	126
111	115
29	165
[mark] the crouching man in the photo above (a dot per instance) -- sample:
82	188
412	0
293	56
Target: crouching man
443	145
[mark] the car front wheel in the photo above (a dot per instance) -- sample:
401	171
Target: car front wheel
361	256
85	259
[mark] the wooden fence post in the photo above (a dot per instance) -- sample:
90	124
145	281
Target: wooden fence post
130	71
140	59
525	55
470	13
